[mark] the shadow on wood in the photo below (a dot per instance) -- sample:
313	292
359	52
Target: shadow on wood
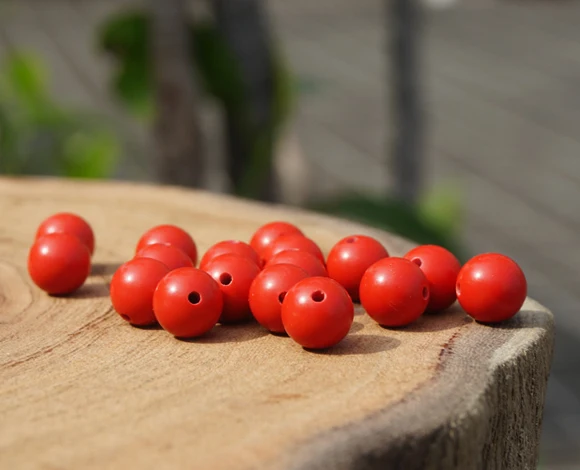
230	334
104	269
88	291
360	344
449	319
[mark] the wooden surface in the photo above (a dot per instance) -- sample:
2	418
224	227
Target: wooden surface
80	388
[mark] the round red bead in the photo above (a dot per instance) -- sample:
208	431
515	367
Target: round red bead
235	247
292	241
350	258
441	268
59	263
66	222
187	302
317	312
234	275
267	233
169	235
394	292
491	287
132	288
267	293
307	261
169	255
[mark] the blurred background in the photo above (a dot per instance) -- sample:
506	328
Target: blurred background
448	121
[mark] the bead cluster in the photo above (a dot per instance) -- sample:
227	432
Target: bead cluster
280	278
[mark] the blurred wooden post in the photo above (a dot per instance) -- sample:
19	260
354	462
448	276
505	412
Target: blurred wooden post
178	157
406	117
244	26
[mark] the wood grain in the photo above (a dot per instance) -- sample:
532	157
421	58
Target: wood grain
80	388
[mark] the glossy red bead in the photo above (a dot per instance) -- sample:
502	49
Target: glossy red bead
67	222
441	268
267	293
234	275
187	302
267	233
307	261
394	292
292	241
59	263
169	235
132	288
491	287
350	258
235	247
317	312
169	255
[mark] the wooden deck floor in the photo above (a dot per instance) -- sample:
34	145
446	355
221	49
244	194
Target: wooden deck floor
501	93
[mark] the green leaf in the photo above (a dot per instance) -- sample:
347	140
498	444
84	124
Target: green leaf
260	151
23	83
390	215
89	154
127	37
217	66
37	136
125	34
442	207
26	76
133	85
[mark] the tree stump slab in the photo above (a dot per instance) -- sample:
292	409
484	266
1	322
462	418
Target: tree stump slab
81	388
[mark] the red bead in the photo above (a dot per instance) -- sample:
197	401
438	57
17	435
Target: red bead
132	288
59	263
169	235
169	255
235	247
394	292
307	261
187	302
234	274
441	268
350	258
268	291
491	288
292	241
267	233
68	223
317	312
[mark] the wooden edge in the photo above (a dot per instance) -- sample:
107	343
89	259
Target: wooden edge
494	424
397	244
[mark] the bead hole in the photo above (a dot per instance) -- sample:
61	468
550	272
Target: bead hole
425	292
194	298
417	261
350	240
281	297
318	296
125	317
225	279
